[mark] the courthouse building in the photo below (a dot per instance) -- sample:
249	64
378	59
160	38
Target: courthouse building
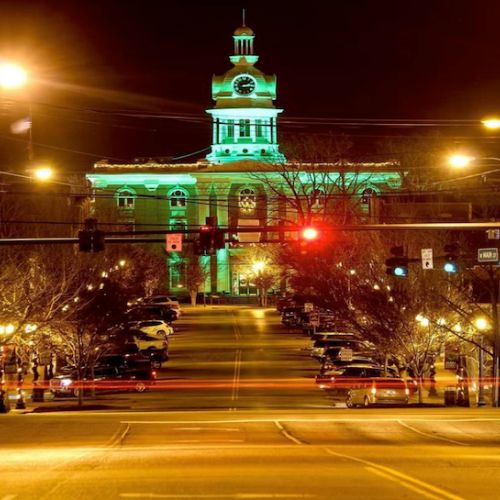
238	181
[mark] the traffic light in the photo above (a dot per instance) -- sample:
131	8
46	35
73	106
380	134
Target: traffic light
451	258
308	237
91	238
205	240
85	240
397	265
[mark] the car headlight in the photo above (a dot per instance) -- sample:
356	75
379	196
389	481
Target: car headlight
65	382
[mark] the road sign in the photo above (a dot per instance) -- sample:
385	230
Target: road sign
308	307
427	261
174	242
487	255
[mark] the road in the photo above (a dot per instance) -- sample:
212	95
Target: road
244	421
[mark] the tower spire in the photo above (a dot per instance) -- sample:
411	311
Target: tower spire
243	16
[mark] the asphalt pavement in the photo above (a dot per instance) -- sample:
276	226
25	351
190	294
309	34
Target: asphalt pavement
239	417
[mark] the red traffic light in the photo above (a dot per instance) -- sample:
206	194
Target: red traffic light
309	233
205	229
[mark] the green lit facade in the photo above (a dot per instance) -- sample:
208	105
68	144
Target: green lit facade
225	184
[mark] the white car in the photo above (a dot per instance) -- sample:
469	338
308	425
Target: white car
154	326
164	300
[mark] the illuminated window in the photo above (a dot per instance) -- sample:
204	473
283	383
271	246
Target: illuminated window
230	128
244	128
178	225
258	128
247	200
125	199
178	198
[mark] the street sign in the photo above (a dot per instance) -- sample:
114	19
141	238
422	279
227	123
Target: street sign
427	261
174	242
487	255
308	307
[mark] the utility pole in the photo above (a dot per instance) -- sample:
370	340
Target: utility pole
494	292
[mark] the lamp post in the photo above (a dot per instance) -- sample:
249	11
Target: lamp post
481	324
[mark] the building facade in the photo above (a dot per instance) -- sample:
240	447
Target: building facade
245	180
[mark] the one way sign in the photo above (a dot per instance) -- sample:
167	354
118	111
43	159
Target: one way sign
427	262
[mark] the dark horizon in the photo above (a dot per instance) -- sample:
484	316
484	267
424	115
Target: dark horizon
363	60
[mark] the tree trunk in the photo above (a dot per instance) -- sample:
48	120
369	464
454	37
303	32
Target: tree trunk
420	390
192	295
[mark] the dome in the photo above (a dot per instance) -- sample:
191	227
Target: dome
244	30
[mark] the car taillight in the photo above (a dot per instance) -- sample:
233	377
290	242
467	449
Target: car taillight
153	374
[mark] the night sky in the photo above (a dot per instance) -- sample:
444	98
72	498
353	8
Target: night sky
93	62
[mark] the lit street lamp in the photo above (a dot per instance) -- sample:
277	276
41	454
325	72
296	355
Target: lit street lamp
13	77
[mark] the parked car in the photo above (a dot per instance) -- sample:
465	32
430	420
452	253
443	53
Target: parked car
164	300
149	311
155	326
339	382
378	391
153	345
332	346
106	378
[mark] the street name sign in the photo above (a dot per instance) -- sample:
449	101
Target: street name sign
427	261
487	255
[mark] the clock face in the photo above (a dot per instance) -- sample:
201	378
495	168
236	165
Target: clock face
244	85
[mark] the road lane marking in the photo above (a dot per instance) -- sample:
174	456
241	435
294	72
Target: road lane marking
297	420
400	475
403	483
236	376
236	496
440	438
8	497
287	434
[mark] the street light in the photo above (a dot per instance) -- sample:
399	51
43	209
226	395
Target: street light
258	266
12	76
43	173
460	160
491	123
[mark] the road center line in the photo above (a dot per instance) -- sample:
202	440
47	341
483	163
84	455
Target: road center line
440	438
404	484
399	475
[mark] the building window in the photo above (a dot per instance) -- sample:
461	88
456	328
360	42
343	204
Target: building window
247	201
244	128
178	225
258	128
230	128
125	199
178	198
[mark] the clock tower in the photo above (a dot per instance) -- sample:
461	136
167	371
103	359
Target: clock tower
244	118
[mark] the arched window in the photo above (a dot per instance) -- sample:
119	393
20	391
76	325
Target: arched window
125	198
178	198
247	200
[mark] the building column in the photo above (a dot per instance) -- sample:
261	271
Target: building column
222	259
